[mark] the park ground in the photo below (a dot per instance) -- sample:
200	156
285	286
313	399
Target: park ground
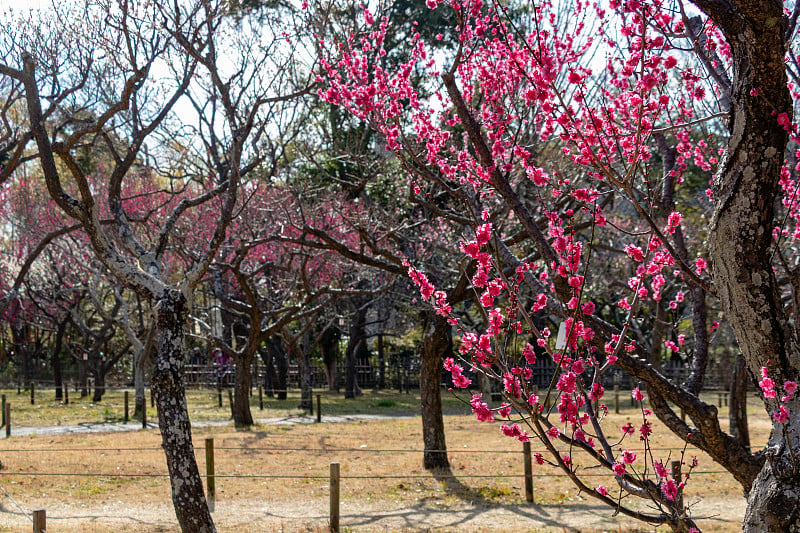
275	476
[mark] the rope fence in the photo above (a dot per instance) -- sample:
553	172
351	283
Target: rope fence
335	476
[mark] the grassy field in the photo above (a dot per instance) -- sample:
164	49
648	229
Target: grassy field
272	477
204	406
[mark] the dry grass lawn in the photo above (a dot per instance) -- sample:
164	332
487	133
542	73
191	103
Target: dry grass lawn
275	478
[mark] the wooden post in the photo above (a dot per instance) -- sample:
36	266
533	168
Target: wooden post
616	399
3	413
526	452
144	414
260	398
676	476
66	394
334	497
152	399
219	393
210	486
319	408
39	521
8	419
33	393
311	404
125	416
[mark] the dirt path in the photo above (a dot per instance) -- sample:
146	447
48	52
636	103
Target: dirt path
266	515
113	427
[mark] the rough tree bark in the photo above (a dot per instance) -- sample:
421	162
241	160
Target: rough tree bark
436	343
740	238
242	416
169	391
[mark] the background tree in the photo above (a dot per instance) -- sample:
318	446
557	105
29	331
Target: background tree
62	70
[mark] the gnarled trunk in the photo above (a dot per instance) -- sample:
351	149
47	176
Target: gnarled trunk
741	244
99	386
436	343
168	386
241	391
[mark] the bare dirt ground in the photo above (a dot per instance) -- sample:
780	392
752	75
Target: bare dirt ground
275	478
312	515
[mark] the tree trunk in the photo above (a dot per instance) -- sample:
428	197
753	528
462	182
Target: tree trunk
738	402
168	385
354	347
350	378
269	371
436	344
138	384
741	245
329	344
381	364
83	376
242	417
281	366
305	377
99	386
55	358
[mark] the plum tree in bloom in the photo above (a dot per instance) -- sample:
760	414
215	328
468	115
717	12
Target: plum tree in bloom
619	200
266	282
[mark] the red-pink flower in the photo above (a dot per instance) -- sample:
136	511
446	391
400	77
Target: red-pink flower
515	431
700	264
481	410
628	457
661	470
529	354
634	252
645	430
781	416
483	234
673	221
